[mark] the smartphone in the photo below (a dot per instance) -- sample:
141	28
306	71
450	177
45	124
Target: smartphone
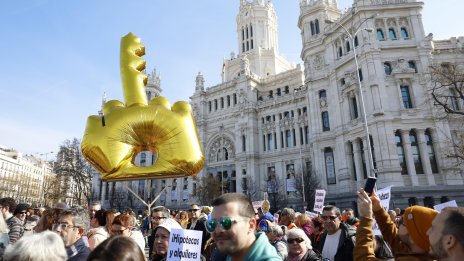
370	184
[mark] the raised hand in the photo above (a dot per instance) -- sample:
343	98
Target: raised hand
139	125
364	204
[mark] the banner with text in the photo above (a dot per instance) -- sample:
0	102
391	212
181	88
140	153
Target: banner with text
384	196
441	206
184	244
319	200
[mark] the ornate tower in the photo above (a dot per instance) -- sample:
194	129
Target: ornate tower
153	88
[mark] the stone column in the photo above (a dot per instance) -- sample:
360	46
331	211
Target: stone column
357	161
279	141
408	156
425	156
298	133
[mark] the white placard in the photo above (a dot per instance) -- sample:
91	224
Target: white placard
184	244
384	196
257	204
441	206
319	200
291	185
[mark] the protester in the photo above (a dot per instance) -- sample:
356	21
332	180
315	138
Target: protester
317	228
197	222
446	234
124	224
71	226
264	222
158	216
118	248
349	217
287	218
49	217
162	233
182	219
94	208
16	223
110	215
408	242
303	222
233	226
337	242
15	226
45	246
4	238
276	235
145	227
99	233
30	222
299	247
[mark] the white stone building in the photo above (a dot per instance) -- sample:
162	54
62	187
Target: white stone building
270	120
22	177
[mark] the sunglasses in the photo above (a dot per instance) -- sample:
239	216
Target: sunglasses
225	222
329	217
194	209
23	212
293	240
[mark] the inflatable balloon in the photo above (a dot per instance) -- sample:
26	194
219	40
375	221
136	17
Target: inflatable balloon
113	139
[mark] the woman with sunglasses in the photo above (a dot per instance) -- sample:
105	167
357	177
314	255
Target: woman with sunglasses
124	224
299	247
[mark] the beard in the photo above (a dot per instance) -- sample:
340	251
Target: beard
437	250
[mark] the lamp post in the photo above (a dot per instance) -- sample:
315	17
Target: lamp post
366	127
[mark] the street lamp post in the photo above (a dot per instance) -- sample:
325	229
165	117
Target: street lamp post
366	127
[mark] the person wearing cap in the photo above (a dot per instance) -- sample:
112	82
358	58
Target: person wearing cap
446	234
408	242
16	223
233	227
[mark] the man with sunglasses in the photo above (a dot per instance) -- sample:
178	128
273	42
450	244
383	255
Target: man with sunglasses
197	222
71	227
16	220
338	240
232	226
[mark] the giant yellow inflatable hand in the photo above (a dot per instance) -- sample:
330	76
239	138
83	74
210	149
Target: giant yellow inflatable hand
111	145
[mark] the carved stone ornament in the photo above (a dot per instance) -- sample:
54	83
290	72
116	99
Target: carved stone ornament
318	62
323	102
402	66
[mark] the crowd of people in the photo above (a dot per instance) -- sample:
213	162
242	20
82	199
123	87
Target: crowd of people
231	229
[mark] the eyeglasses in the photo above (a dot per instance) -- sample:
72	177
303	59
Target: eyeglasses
158	218
225	222
194	209
327	217
293	240
62	226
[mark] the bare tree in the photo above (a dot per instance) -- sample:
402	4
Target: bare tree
75	173
117	199
207	189
51	189
311	183
447	91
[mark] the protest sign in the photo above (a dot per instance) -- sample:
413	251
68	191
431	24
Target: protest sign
291	185
441	206
384	196
184	244
319	200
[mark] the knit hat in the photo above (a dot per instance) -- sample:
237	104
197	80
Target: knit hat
169	224
20	208
418	220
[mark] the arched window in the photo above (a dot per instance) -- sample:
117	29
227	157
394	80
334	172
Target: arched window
235	98
412	65
354	107
391	33
431	151
330	166
222	154
251	30
400	152
228	100
406	96
243	47
340	51
288	138
246	32
356	42
243	34
325	121
380	35
404	33
387	68
347	44
215	105
209	106
322	94
415	152
313	31
316	25
222	102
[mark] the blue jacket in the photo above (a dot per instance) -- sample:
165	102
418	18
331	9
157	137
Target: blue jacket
79	251
261	250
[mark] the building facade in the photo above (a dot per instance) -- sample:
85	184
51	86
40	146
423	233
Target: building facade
409	139
269	121
23	177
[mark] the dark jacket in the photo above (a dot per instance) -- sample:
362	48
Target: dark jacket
79	250
201	226
345	244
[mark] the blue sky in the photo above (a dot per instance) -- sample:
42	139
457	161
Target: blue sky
58	57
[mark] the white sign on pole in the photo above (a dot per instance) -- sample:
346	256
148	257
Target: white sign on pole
291	185
384	196
319	200
184	244
441	206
